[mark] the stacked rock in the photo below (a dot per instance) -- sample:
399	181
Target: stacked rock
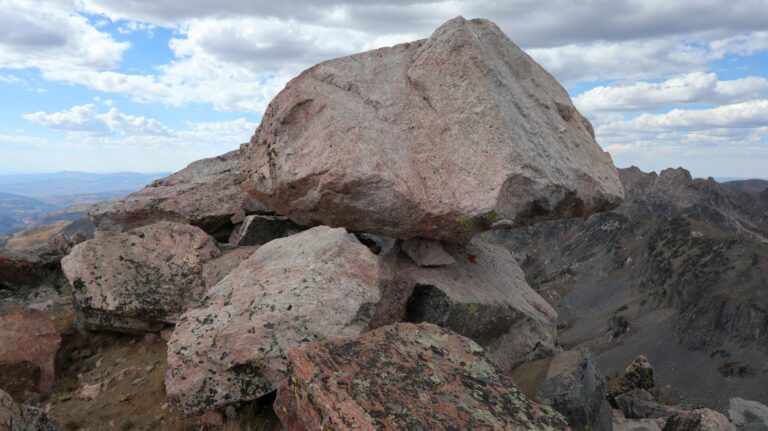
399	157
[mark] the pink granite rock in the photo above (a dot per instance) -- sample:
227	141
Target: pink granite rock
439	138
315	285
140	279
29	336
426	252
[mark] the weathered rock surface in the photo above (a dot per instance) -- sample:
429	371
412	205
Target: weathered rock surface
427	252
570	383
698	420
259	229
140	279
216	269
21	417
28	337
206	193
747	414
404	376
438	138
624	424
483	296
315	285
637	375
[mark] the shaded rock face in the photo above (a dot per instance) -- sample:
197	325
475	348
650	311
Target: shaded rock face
570	383
698	420
483	296
140	279
427	253
315	285
206	193
18	417
439	138
259	229
28	344
404	376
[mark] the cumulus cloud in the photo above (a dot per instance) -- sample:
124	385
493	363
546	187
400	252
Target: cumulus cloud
697	88
88	120
47	35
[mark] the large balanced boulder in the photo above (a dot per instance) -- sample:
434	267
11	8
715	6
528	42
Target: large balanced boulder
28	345
140	279
206	193
438	138
404	377
483	295
315	285
571	383
21	417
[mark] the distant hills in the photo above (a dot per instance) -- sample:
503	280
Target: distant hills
30	200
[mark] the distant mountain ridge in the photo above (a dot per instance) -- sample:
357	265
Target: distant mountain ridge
29	200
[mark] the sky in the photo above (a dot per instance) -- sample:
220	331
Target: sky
152	85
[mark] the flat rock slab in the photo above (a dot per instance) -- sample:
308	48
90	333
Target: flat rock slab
140	279
205	193
439	138
483	296
404	376
316	285
29	337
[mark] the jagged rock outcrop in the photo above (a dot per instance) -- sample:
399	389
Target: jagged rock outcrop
404	376
698	420
438	138
21	417
140	279
483	296
206	194
571	384
316	285
28	342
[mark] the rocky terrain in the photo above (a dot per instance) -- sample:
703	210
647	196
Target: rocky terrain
678	272
355	266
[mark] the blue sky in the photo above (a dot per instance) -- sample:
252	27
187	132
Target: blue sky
109	85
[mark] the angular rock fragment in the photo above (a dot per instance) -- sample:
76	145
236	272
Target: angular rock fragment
637	375
749	414
483	296
570	383
21	417
140	279
206	193
404	376
698	420
316	285
427	252
260	229
28	337
439	138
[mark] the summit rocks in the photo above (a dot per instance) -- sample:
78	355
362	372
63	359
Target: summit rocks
440	138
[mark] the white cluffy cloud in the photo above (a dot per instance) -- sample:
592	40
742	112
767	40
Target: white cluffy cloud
88	120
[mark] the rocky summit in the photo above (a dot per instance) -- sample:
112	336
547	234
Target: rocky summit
391	252
439	138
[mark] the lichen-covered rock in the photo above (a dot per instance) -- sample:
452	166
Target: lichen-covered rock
140	279
698	420
426	252
637	375
259	229
21	417
750	414
483	296
206	193
570	383
28	337
439	138
404	376
315	285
